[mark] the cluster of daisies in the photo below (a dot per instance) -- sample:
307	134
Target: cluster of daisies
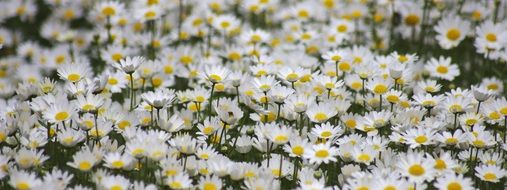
253	94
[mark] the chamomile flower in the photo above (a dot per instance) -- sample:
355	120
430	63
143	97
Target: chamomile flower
115	182
116	160
442	68
454	181
60	112
24	180
210	182
416	167
490	173
74	72
451	31
326	131
84	160
109	8
321	153
279	135
216	74
320	113
130	64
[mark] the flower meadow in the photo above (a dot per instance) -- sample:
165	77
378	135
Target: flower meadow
253	94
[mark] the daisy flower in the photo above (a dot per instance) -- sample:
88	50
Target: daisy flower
326	131
74	72
442	68
490	173
215	74
210	182
320	113
256	36
416	167
130	64
321	153
279	135
454	181
451	31
116	182
24	180
59	112
490	38
109	8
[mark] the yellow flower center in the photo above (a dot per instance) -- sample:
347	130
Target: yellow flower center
21	10
380	89
124	124
112	81
215	78
342	28
494	115
298	150
175	185
392	98
74	77
479	143
476	15
292	77
88	107
234	56
168	69
255	38
225	24
281	138
451	140
186	59
116	57
209	186
322	153
471	121
276	172
152	2
403	58
23	185
116	187
356	85
350	123
492	86
117	164
150	14
265	87
421	139
60	116
453	34
170	172
491	37
490	176
68	14
364	157
344	66
207	130
455	108
412	20
442	69
416	170
440	164
320	117
84	166
303	13
454	186
108	11
326	134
